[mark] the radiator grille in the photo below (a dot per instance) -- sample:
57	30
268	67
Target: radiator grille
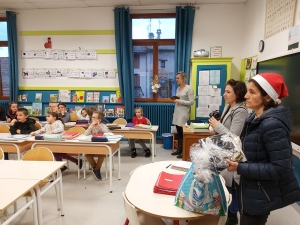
160	114
4	105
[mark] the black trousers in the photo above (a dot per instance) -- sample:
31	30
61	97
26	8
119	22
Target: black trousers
247	219
180	137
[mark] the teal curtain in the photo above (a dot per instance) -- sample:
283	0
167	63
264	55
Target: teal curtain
13	54
124	52
183	38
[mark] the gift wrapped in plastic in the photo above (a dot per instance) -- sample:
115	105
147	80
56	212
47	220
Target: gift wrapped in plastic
202	190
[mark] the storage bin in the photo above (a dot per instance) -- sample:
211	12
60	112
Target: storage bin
167	140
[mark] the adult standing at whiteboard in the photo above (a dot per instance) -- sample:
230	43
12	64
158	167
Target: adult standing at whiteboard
183	104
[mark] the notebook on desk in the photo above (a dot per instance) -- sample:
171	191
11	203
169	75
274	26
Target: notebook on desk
167	183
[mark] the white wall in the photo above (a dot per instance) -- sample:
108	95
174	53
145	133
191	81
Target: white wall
221	25
67	19
276	45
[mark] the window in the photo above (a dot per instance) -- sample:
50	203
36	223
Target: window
4	60
154	53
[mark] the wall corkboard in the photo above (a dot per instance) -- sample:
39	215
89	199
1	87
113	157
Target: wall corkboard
279	16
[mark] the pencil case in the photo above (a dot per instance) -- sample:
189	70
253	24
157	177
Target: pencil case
99	139
39	137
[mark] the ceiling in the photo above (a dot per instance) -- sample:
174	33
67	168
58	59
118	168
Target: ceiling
55	4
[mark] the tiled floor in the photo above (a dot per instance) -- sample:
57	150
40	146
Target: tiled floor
88	202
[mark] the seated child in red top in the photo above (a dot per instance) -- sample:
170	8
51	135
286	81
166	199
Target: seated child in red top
138	119
12	111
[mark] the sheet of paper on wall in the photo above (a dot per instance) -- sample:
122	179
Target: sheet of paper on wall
61	72
27	73
38	54
203	101
39	73
27	54
58	54
215	92
202	111
215	100
214	77
204	77
50	73
47	54
75	73
204	90
109	73
80	54
85	74
91	54
69	55
97	73
213	107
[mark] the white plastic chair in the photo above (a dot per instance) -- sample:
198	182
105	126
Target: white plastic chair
137	218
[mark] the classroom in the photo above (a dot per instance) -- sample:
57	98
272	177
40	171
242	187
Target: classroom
80	67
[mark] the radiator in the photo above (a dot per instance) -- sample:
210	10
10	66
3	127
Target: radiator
4	105
160	114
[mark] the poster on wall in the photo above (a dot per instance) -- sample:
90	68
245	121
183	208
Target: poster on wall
109	73
80	54
27	73
38	54
39	73
91	54
69	55
48	54
58	54
50	73
27	54
97	73
61	72
85	74
74	73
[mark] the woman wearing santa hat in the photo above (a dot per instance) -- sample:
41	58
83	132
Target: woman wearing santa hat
267	177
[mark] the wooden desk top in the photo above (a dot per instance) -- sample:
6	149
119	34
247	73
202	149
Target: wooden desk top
12	189
139	192
188	130
32	170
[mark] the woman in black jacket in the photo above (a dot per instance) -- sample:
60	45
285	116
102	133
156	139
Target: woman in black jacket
267	177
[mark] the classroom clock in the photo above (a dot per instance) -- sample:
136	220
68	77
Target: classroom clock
261	45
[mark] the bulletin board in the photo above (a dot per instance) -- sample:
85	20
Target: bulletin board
211	80
279	16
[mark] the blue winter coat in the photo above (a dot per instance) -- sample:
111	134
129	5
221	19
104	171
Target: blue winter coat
267	177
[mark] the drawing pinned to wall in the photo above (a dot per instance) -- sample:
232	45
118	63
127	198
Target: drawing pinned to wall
85	74
50	73
80	54
38	54
48	44
97	73
58	54
27	73
109	73
61	72
27	54
47	54
69	55
75	73
39	73
91	54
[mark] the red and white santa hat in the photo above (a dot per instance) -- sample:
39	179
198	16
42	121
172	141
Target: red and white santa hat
273	84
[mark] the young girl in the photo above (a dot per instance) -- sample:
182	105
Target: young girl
83	114
96	127
138	119
62	109
55	125
12	111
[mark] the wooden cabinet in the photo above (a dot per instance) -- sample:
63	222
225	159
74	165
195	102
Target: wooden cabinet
189	138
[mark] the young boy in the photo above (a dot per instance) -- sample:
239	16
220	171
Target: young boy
23	124
62	109
96	127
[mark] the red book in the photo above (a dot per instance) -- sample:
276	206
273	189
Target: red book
97	135
70	135
167	183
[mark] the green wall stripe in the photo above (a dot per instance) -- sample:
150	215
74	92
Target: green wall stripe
106	51
66	32
30	88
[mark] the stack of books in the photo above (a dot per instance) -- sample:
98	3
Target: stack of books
70	135
167	183
199	127
182	166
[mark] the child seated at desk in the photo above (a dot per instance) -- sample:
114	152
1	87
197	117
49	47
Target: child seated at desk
12	111
82	114
62	108
96	127
55	125
139	119
22	124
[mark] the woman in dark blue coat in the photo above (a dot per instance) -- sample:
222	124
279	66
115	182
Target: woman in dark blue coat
267	177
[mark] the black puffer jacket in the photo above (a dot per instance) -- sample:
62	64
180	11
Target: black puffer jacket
267	178
26	128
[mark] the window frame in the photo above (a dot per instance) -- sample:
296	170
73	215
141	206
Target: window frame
3	44
155	43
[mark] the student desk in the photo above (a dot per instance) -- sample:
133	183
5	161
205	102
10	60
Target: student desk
139	133
85	147
139	192
11	145
189	138
35	171
11	191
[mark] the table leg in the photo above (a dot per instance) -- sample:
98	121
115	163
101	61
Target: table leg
119	162
39	205
110	169
61	193
35	216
